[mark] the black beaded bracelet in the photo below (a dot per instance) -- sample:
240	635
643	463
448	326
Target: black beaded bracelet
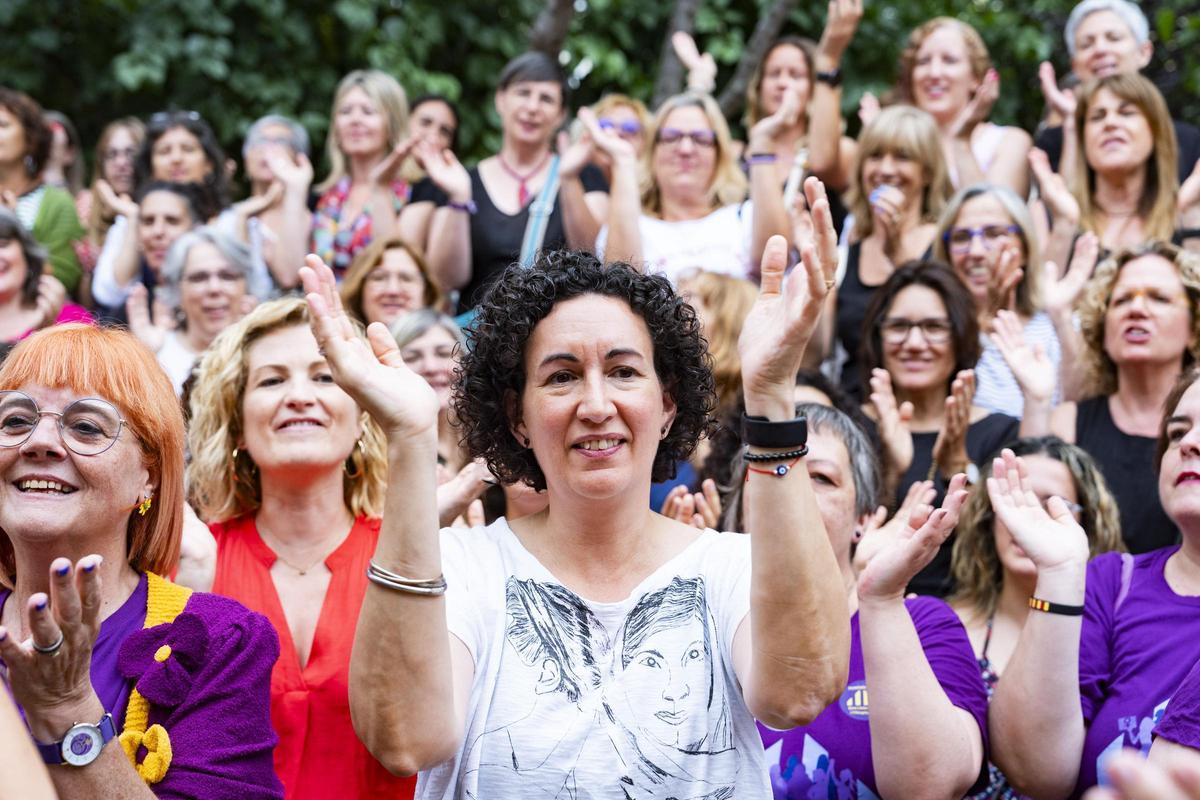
756	458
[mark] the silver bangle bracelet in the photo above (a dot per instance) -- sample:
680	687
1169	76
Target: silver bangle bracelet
391	580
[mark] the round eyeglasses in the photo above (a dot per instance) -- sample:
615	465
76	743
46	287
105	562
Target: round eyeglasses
88	426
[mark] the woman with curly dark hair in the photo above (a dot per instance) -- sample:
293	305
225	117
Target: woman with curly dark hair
596	642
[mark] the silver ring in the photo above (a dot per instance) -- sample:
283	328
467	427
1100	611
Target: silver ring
52	649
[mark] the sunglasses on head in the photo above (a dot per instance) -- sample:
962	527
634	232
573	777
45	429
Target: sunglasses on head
163	120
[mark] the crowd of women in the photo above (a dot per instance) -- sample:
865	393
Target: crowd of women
633	461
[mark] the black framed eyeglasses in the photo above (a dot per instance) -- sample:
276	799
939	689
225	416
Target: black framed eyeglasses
88	426
895	330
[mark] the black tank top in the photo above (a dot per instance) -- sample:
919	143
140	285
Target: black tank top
852	299
1127	463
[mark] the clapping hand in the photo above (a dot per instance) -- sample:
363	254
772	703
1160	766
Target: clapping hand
785	314
294	172
701	509
371	371
1002	293
950	447
879	531
118	204
911	548
1053	189
1049	535
1131	776
767	131
887	210
386	171
445	170
50	672
840	25
1060	292
607	141
979	107
456	495
893	419
149	326
1063	102
51	297
1032	368
868	108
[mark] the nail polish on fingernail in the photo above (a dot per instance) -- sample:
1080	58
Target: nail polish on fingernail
41	605
90	567
61	571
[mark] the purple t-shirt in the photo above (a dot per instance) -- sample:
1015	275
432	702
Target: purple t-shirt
832	756
1131	658
1181	723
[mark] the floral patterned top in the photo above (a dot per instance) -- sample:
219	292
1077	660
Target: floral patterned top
337	241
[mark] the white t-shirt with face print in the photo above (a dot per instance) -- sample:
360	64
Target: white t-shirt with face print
579	699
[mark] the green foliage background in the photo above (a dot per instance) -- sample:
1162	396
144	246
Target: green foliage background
234	60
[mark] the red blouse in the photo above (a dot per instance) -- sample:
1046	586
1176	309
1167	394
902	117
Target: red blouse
318	756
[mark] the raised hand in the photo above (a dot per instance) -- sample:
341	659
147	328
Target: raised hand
784	316
701	68
1033	369
701	509
1132	776
868	108
840	25
979	107
455	496
893	419
574	156
1061	101
1049	536
912	547
767	131
887	210
370	370
55	688
51	297
1002	293
445	170
256	204
295	173
879	531
197	553
608	142
386	171
950	447
1053	189
122	205
150	327
1061	292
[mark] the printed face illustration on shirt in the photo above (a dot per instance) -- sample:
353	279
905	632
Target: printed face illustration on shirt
664	680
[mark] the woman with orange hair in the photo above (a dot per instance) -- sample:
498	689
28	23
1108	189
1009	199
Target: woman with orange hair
95	643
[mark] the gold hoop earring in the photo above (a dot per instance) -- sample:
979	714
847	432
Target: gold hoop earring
354	471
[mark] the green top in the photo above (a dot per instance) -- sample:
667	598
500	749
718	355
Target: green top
57	228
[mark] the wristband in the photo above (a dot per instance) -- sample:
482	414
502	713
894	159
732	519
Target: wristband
1037	604
831	77
761	158
798	453
761	432
468	207
1187	233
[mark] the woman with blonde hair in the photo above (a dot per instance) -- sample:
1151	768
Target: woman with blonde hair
1125	186
95	643
686	209
945	70
387	280
363	194
290	475
898	189
1140	328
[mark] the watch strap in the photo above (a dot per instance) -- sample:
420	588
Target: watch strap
831	77
53	753
791	434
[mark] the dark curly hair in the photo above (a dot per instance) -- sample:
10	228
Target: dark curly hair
492	370
214	190
33	123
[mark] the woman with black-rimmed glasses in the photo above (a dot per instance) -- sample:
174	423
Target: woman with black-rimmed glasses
920	346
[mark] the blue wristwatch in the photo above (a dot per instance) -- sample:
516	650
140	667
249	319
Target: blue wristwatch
82	744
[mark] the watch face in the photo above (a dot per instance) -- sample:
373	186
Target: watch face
82	744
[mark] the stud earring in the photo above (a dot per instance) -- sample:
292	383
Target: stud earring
527	442
144	506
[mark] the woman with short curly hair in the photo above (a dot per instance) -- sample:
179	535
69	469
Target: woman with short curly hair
1140	325
557	632
290	473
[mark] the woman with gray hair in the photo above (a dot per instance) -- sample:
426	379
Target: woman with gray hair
30	297
208	283
276	159
924	732
429	342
